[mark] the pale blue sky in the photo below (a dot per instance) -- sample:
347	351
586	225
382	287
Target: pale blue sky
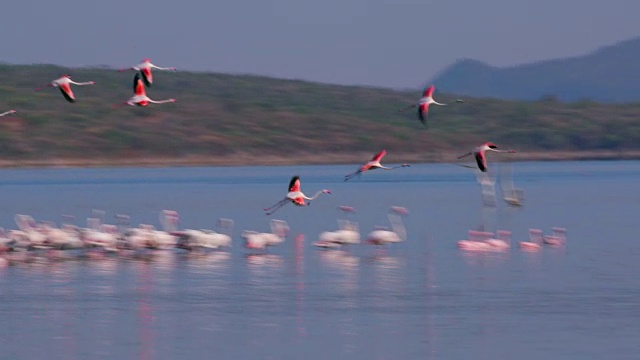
389	43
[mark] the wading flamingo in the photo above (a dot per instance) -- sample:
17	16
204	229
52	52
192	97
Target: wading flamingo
145	69
479	154
425	101
383	236
140	97
477	241
8	112
201	239
257	240
295	196
557	238
64	84
348	233
373	164
535	241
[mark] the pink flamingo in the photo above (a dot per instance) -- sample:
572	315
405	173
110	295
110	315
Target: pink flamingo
425	101
140	97
535	241
558	237
145	69
64	84
373	164
479	154
295	196
8	112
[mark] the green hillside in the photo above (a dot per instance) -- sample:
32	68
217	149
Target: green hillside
238	119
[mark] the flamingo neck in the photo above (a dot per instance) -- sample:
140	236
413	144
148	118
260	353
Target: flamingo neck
315	195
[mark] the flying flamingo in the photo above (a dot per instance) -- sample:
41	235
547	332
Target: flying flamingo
373	164
140	98
479	154
295	196
425	101
8	112
64	84
145	69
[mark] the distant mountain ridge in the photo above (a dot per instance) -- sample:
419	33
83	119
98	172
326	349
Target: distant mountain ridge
608	74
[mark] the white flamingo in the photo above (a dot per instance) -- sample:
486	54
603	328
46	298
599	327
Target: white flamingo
346	234
257	240
140	97
29	235
479	154
66	237
64	84
425	101
477	241
147	236
191	239
8	112
295	196
145	69
398	233
535	241
373	164
97	234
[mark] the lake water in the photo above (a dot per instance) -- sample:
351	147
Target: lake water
422	298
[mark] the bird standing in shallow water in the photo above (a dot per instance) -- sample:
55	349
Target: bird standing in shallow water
373	164
295	196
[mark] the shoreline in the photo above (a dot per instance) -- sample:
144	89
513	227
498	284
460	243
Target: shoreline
247	159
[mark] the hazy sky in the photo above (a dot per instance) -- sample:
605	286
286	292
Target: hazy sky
389	43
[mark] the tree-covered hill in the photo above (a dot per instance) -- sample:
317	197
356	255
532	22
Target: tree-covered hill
236	119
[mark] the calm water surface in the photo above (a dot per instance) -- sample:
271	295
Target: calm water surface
423	298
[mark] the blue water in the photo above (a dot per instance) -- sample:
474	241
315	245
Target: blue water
423	298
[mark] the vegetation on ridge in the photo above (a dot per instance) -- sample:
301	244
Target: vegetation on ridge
226	116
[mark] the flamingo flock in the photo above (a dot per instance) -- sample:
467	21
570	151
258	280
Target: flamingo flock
108	237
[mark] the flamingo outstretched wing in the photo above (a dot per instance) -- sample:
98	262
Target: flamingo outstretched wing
379	155
65	89
147	76
481	160
428	92
423	112
138	86
294	184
